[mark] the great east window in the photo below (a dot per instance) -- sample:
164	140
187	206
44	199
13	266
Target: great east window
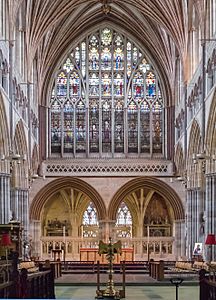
106	100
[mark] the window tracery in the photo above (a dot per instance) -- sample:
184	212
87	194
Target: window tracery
90	222
123	222
90	215
106	99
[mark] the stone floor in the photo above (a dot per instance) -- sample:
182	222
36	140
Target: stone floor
138	287
131	279
132	292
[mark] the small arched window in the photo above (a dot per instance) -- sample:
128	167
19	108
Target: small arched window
90	215
90	228
123	222
123	215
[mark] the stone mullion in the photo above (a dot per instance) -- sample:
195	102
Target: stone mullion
151	130
74	129
62	131
113	130
86	99
112	108
138	132
125	100
125	131
100	101
87	132
100	129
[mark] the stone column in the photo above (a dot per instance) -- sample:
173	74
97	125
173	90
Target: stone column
106	230
25	211
5	210
179	235
208	205
102	230
189	225
200	212
35	229
194	219
14	202
20	206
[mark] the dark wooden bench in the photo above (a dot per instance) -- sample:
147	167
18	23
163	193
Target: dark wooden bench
19	284
207	282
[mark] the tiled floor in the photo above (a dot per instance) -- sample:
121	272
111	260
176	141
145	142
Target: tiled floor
132	292
137	279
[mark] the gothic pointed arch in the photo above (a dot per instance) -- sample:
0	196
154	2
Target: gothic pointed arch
66	183
194	169
20	142
4	132
179	160
152	185
35	159
104	73
4	137
20	170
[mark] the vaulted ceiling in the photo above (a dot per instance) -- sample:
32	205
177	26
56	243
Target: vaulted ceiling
161	26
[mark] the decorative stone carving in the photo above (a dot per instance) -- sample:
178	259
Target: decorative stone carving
107	167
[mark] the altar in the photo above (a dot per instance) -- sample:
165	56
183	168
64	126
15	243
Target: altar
91	254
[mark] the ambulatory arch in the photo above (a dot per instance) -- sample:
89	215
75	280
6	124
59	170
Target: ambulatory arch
59	185
139	192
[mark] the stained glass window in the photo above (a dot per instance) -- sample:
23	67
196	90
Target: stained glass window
150	85
106	126
74	84
62	84
157	127
123	215
90	215
106	100
138	87
123	221
80	127
132	127
56	127
119	127
94	126
68	127
145	127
